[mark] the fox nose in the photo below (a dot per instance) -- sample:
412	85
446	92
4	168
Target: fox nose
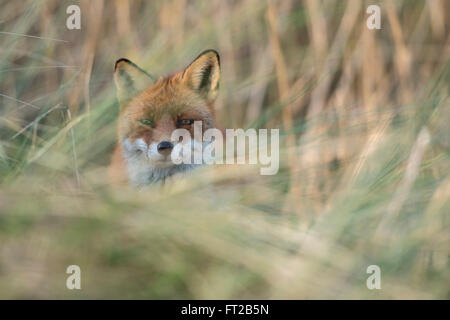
165	147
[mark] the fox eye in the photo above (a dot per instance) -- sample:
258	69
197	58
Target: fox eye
185	122
147	122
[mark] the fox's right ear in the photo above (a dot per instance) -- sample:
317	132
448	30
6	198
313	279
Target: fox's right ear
130	79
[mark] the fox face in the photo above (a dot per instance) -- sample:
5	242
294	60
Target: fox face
152	109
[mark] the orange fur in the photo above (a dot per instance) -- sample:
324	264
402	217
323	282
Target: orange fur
188	94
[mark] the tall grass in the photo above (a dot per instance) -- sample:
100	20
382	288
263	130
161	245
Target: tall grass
364	177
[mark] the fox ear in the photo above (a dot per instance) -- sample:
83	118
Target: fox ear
130	79
203	74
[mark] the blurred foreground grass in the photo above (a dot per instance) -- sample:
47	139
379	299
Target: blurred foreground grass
364	177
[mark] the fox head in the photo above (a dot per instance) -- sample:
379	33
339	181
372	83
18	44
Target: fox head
152	109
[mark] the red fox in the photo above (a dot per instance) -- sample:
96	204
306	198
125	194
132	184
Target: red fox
151	110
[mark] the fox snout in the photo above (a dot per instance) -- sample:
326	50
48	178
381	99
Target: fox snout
165	148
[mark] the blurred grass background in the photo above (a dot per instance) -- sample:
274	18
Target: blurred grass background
365	139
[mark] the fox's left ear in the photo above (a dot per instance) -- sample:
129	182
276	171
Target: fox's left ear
203	74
